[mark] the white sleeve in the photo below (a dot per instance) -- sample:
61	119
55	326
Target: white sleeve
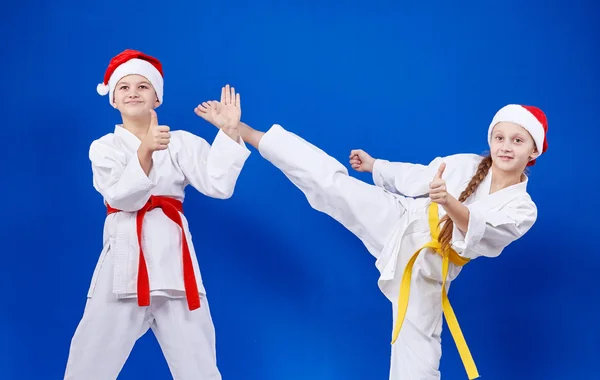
121	181
212	170
410	180
489	232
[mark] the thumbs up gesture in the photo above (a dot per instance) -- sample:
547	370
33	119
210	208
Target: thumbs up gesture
158	136
437	187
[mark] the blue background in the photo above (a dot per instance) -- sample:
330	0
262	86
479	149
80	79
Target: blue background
294	295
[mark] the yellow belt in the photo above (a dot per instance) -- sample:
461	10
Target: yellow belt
456	259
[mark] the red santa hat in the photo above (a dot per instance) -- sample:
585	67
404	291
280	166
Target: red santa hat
529	117
131	62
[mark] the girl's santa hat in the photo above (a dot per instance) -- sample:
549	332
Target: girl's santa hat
529	117
131	62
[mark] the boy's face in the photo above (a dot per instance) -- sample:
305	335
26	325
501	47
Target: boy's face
134	96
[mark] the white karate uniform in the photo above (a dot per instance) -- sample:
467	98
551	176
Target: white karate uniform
390	218
113	320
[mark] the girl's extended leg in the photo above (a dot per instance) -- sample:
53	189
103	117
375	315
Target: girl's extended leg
369	212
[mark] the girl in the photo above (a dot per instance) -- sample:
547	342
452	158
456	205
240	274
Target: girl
484	207
148	275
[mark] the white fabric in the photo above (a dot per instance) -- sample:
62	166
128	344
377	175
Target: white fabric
110	327
415	356
391	220
516	114
118	176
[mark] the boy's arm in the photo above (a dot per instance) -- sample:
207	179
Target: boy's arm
122	181
212	170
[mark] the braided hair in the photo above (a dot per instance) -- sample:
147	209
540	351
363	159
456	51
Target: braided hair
448	225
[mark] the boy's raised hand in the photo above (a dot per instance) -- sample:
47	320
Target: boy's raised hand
225	114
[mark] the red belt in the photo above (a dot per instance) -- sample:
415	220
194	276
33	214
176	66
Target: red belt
171	207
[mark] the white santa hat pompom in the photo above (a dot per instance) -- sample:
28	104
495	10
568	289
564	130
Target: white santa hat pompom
102	89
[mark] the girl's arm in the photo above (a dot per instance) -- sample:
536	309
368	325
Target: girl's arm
489	232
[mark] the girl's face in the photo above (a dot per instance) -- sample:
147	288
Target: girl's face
134	96
512	147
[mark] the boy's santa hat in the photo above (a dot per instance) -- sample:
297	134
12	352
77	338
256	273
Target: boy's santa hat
529	117
131	62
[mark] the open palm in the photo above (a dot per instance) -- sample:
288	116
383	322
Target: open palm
225	114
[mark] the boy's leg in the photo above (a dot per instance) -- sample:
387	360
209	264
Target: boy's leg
187	338
106	333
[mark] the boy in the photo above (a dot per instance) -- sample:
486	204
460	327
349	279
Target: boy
148	275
